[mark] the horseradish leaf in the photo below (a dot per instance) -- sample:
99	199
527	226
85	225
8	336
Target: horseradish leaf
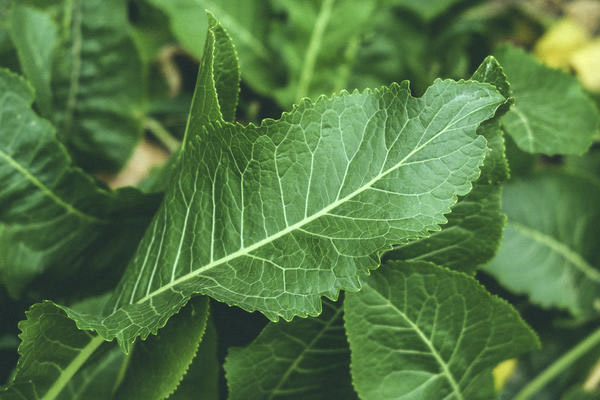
419	331
475	225
552	114
273	217
157	366
549	246
302	359
52	352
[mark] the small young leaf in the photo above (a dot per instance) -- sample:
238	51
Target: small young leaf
156	366
552	114
303	359
549	250
419	331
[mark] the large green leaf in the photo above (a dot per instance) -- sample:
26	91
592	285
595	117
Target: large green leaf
98	84
156	366
55	217
550	246
35	37
303	359
419	331
475	225
273	217
552	114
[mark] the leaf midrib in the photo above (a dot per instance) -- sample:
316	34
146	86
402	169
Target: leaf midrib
321	213
445	368
569	254
72	368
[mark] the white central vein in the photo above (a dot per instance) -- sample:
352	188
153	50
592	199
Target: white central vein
291	228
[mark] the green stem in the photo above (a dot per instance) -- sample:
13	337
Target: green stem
314	46
559	366
74	366
162	134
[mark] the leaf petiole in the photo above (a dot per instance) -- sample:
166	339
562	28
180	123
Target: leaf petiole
559	366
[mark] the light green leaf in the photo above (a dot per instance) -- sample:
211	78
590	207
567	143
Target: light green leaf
52	352
552	114
156	366
427	9
303	359
98	85
316	43
549	250
35	37
271	218
202	378
475	225
55	217
419	331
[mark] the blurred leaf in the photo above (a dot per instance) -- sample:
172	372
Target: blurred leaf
35	37
426	9
55	218
549	250
560	42
552	114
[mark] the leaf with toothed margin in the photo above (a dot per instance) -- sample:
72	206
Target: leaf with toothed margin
157	366
475	225
419	331
54	354
273	217
296	360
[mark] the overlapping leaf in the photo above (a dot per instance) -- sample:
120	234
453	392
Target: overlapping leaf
52	351
552	114
54	216
156	366
271	218
549	250
303	359
475	225
419	331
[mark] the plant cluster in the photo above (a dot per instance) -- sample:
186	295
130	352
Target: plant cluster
315	230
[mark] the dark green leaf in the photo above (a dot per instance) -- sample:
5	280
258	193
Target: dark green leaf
419	331
304	359
157	366
55	217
